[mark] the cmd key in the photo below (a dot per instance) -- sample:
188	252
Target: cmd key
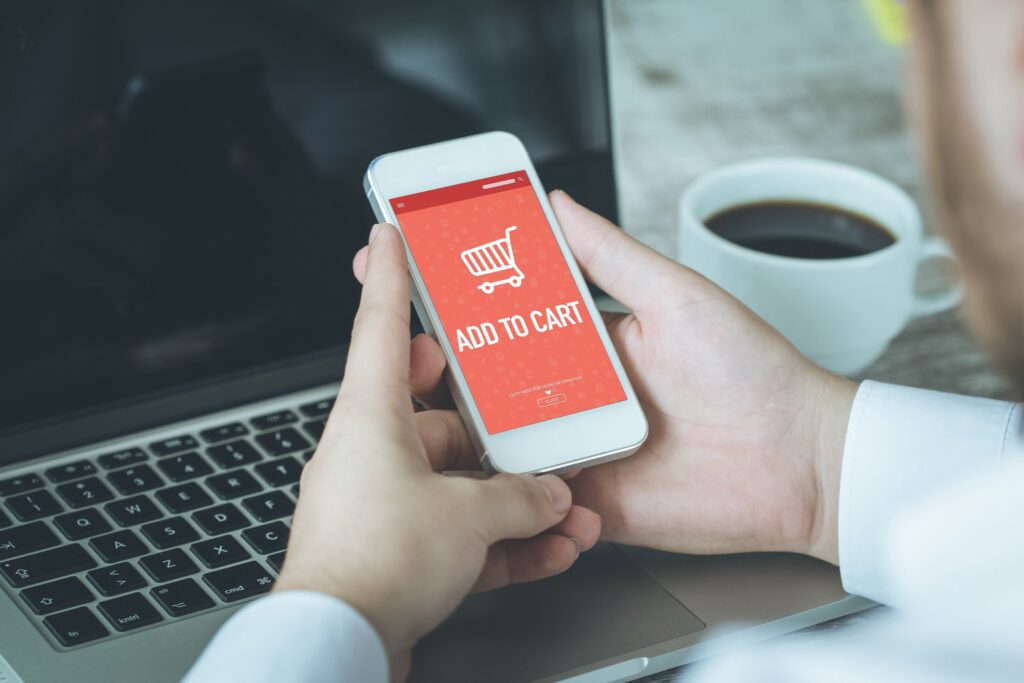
49	564
240	582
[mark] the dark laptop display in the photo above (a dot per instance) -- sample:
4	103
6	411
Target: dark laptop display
180	183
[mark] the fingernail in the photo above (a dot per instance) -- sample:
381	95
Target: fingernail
558	492
579	546
374	231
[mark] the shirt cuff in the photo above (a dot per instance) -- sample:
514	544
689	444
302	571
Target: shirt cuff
293	636
901	445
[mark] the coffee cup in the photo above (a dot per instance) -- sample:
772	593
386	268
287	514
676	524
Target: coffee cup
840	311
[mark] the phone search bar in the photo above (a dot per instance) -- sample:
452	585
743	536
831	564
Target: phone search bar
500	183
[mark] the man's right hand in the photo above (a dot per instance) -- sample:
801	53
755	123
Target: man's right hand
746	435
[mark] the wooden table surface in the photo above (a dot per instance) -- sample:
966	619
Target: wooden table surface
697	84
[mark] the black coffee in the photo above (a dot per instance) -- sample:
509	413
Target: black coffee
800	230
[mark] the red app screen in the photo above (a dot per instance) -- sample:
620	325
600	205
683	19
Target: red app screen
507	301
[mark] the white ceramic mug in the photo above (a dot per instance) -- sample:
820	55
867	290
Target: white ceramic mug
841	313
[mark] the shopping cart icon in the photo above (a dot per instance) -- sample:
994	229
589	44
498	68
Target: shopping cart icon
494	257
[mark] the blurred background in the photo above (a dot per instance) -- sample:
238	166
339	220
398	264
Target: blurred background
697	84
180	183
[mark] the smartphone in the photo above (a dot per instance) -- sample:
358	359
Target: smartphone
530	365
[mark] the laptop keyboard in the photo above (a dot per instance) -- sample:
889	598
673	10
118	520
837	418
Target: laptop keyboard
151	532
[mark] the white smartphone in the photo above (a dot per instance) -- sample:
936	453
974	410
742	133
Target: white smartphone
530	365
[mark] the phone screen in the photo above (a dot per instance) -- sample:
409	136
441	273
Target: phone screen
507	301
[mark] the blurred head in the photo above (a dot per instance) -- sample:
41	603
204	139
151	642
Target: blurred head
967	105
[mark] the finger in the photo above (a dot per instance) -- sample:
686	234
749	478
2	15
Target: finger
627	269
446	441
532	559
611	317
426	370
378	357
581	523
359	264
513	506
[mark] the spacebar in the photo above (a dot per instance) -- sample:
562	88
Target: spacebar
49	564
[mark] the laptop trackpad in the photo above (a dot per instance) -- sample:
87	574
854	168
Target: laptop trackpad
602	608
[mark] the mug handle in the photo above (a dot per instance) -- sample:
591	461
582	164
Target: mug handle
927	304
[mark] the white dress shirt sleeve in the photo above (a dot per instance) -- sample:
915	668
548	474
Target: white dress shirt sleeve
902	445
294	636
931	512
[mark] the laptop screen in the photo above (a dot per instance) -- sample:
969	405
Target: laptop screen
181	183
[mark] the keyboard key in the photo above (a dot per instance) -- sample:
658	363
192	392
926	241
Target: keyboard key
183	498
135	479
82	524
170	564
317	408
280	472
49	564
57	595
220	519
170	532
218	552
76	626
134	510
295	491
184	467
129	612
20	484
182	597
119	545
268	538
29	506
276	561
224	432
282	441
271	420
233	454
125	456
5	521
240	581
85	492
268	506
234	484
315	428
26	538
175	444
307	456
116	579
72	470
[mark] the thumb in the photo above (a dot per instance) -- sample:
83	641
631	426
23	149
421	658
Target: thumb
621	265
514	506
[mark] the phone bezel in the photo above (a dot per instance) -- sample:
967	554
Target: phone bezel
576	440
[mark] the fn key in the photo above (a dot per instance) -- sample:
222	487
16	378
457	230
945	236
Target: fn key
76	626
240	581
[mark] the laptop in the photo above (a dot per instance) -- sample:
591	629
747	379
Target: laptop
180	199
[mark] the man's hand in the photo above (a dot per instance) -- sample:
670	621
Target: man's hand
746	435
377	526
